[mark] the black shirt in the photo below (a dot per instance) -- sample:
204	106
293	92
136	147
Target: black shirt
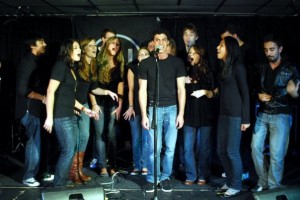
270	78
134	67
65	93
116	78
200	111
83	87
234	94
170	69
27	80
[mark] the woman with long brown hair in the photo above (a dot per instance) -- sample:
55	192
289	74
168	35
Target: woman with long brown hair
199	116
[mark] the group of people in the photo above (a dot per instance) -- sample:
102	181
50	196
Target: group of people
168	97
78	73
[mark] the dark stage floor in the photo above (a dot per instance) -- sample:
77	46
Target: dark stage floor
127	187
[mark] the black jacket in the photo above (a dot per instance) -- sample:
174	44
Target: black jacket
279	102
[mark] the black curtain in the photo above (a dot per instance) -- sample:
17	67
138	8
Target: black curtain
251	30
56	29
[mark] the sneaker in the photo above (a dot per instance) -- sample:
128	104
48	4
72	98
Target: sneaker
245	176
224	175
231	192
149	187
257	188
222	189
166	186
135	172
144	171
48	177
31	182
93	163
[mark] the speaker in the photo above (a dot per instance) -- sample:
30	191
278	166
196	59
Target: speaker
79	193
284	193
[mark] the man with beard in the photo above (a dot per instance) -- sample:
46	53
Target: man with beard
29	104
278	81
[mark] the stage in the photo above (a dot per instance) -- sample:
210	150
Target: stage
124	186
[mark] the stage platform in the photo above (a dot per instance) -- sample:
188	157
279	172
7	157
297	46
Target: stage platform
127	187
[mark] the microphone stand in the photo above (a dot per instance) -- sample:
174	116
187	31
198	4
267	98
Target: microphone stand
154	122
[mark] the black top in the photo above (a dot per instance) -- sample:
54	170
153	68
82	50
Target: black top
105	100
65	93
134	67
200	111
83	87
170	69
183	54
234	95
270	78
27	80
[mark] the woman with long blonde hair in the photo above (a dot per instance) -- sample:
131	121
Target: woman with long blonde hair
110	63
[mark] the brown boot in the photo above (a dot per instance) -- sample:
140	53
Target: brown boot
80	164
74	175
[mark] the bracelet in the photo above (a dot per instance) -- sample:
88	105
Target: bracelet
82	109
94	104
130	106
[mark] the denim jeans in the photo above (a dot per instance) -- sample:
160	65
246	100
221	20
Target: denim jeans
166	131
228	148
66	137
278	126
83	122
140	144
33	145
202	135
105	129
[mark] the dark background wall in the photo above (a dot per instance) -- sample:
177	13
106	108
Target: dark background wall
56	29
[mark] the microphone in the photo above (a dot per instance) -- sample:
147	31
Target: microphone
158	48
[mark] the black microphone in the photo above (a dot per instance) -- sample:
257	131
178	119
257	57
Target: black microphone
158	48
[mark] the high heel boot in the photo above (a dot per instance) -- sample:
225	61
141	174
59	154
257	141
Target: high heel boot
74	172
80	165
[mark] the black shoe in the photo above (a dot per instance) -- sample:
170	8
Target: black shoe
149	187
166	186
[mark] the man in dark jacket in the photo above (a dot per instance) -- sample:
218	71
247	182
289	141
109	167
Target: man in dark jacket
28	105
279	81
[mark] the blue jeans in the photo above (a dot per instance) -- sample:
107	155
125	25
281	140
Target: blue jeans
66	137
278	126
228	148
105	129
140	144
83	122
203	135
166	130
33	145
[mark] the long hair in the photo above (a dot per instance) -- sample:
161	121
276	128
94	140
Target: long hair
201	68
85	69
232	56
65	51
103	62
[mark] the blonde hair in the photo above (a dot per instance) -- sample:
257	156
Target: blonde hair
103	63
